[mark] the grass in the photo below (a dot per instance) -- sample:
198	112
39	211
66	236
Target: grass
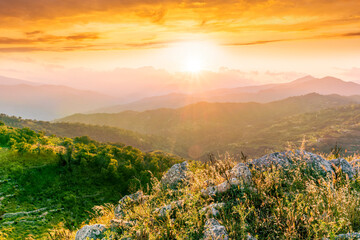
38	182
293	203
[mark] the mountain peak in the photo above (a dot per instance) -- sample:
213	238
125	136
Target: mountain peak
332	79
304	79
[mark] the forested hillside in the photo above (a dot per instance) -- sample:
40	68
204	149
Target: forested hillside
253	128
48	182
104	134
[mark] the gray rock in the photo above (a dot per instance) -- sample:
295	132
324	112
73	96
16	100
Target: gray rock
209	191
241	172
214	230
212	209
223	187
285	159
356	166
167	209
239	175
345	166
178	174
126	201
349	236
91	232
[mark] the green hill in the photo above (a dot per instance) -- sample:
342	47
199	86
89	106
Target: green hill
48	182
104	134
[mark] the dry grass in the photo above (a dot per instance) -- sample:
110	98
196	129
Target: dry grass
289	203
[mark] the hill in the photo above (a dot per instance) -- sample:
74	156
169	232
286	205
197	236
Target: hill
103	134
198	129
47	182
47	102
262	94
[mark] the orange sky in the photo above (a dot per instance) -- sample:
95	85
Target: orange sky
320	37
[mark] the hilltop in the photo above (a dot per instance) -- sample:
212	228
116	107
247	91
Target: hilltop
284	195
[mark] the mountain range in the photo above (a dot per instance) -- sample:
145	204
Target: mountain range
46	102
261	94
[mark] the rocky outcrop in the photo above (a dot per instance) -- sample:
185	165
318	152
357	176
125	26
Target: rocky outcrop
177	175
126	201
214	230
239	175
285	159
213	209
89	232
345	167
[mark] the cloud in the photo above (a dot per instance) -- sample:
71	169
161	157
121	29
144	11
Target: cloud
122	24
48	38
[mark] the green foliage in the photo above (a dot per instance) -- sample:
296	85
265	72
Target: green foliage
67	177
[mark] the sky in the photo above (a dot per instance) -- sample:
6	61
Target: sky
251	41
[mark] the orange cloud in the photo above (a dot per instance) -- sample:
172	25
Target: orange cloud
129	23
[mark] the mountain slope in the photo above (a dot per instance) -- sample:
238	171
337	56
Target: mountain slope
46	102
199	128
99	133
14	81
262	94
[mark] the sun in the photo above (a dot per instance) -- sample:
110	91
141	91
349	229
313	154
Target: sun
193	64
193	56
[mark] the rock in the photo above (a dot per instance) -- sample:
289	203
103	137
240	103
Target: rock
345	166
352	236
285	159
220	188
356	166
214	230
167	209
89	232
223	187
178	174
213	209
241	173
126	201
209	191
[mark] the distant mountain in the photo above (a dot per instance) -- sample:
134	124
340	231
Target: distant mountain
262	94
203	126
172	100
14	81
47	102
